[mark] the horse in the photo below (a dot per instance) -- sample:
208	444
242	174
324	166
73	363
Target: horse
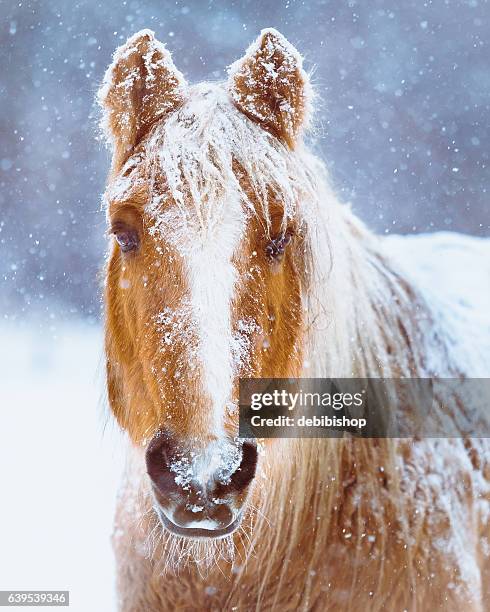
232	257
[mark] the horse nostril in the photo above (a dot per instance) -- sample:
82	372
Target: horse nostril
158	457
165	461
245	472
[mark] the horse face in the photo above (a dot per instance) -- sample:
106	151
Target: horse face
204	280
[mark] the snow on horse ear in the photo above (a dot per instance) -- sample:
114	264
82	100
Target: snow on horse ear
270	86
141	86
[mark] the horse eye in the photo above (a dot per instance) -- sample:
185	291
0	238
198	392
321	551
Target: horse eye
127	240
276	247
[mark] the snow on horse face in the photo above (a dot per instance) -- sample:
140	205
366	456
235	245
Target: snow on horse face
206	273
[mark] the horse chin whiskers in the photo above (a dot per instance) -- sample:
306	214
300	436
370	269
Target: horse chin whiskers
177	552
172	553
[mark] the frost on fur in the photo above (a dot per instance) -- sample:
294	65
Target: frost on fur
269	85
140	86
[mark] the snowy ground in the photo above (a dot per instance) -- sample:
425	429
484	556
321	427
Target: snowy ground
59	466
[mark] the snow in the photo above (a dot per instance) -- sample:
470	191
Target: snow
453	273
242	344
60	465
194	147
219	459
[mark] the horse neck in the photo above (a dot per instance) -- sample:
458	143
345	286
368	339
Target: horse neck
363	318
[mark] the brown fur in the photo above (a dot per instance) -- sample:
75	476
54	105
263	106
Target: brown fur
143	391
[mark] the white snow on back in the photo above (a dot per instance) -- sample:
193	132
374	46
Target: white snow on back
438	468
452	271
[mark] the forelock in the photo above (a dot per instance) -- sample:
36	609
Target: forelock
208	154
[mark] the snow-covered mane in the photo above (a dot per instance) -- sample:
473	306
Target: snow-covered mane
204	148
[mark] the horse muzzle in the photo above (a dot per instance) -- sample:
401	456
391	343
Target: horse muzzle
200	491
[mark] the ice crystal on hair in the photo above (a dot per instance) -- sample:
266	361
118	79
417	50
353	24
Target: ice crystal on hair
183	471
246	329
173	324
220	462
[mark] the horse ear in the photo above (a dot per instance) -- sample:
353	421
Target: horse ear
270	86
140	86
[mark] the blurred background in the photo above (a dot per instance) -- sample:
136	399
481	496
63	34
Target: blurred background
403	123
